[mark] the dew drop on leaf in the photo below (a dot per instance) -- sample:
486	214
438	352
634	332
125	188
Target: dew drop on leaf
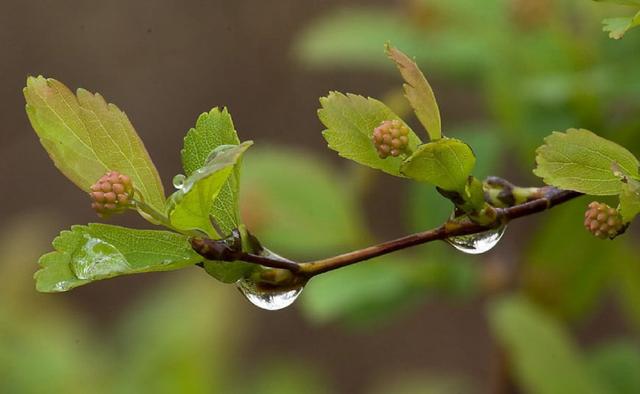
477	243
271	299
178	181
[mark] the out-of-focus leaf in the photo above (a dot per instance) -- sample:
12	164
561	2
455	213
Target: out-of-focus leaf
86	137
212	130
627	285
446	163
621	2
100	251
175	341
580	160
295	203
285	376
617	27
422	383
569	281
617	364
350	120
360	293
418	92
545	359
189	207
456	39
37	328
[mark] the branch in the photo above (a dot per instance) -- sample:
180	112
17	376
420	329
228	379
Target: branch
547	198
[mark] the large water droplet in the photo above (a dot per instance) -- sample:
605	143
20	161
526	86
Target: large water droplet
98	259
178	181
269	299
477	243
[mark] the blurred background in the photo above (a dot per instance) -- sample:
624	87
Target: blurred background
549	310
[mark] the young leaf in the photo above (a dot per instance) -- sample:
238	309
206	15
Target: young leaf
630	200
350	120
418	92
539	347
580	160
99	251
446	163
213	129
617	27
189	207
86	137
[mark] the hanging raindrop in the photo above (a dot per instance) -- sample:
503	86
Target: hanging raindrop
477	243
269	299
178	181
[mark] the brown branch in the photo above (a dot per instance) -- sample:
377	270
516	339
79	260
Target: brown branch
549	199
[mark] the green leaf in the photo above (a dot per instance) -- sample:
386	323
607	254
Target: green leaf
189	207
296	204
418	92
539	348
174	339
617	27
86	137
446	163
99	251
212	130
580	160
350	120
618	365
569	282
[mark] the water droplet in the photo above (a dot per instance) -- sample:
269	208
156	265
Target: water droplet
477	243
98	259
220	149
178	181
269	299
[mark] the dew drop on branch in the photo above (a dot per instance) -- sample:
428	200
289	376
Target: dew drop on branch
477	243
269	299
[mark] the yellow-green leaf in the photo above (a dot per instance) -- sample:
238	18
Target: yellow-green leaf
350	120
418	92
99	251
86	137
189	207
580	160
446	163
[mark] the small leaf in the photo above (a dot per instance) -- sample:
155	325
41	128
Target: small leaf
580	160
630	194
189	207
99	251
418	92
617	27
86	137
446	163
350	120
539	347
212	130
618	365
